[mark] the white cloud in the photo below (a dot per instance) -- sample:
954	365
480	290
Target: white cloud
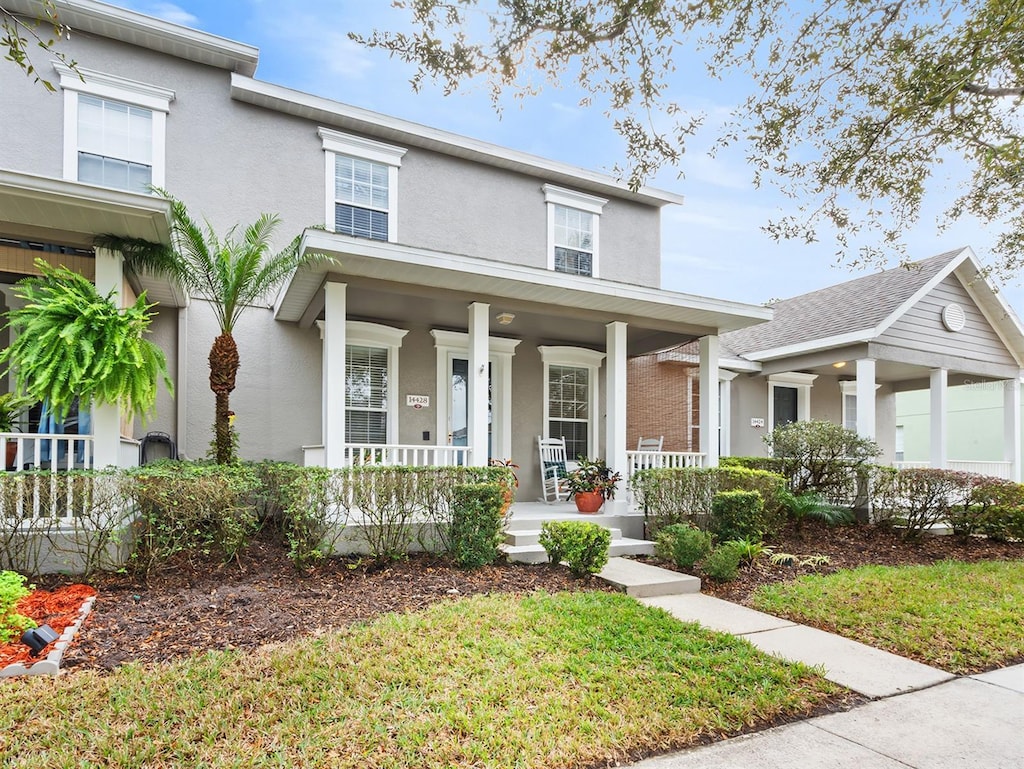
168	12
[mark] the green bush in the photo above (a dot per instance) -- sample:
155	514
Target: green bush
581	544
683	544
477	524
12	590
995	508
684	495
270	496
811	504
919	498
770	464
187	507
315	514
821	456
737	515
723	563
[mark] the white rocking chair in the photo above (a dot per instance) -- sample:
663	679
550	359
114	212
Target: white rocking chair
650	444
554	468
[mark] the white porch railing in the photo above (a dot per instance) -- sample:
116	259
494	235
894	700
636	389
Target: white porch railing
997	469
36	451
409	456
646	460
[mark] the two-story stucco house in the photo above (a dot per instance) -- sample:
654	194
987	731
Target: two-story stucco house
480	297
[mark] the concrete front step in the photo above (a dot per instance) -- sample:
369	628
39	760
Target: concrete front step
532	536
620	546
641	580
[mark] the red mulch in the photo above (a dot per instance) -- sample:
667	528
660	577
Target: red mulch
199	605
57	608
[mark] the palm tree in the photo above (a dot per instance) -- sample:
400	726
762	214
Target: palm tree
231	274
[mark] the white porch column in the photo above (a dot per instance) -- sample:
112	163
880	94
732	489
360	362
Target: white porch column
866	398
615	396
725	409
937	412
1011	426
476	427
106	417
709	445
333	406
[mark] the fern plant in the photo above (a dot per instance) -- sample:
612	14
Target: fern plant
71	342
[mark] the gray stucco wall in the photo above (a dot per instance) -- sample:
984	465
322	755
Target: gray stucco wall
749	399
230	161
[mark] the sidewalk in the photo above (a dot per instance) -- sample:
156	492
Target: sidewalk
922	717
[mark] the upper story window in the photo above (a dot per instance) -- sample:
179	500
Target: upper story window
573	220
362	186
114	130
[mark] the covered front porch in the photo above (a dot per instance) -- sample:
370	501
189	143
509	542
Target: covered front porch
55	220
436	358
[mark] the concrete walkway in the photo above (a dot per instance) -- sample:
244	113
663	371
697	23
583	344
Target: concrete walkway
921	717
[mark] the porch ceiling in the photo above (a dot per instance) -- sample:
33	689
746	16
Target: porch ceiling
48	210
392	282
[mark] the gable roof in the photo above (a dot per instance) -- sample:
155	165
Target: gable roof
860	310
846	313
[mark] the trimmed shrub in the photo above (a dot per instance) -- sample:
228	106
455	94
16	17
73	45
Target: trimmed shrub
315	514
12	590
821	456
583	545
187	507
684	495
737	514
477	524
919	498
770	464
723	563
683	544
995	508
270	496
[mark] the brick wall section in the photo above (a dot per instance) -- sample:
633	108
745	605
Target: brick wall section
662	400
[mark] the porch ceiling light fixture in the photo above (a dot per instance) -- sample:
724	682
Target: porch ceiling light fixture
839	364
38	638
504	318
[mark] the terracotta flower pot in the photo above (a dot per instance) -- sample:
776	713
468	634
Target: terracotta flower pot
588	501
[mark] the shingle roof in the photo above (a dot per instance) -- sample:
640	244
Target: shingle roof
856	305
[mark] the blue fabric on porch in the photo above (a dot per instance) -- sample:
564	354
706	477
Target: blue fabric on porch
48	423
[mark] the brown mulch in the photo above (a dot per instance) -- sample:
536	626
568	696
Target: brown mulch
261	598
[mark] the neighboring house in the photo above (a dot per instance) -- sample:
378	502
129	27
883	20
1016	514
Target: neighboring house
844	352
480	296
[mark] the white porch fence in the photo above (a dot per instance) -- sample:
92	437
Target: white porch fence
47	451
409	455
997	469
647	460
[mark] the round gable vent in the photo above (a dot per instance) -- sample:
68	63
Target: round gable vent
953	317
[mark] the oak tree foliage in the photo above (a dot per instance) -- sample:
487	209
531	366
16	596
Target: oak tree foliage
855	108
22	36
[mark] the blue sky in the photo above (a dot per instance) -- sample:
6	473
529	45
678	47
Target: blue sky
712	245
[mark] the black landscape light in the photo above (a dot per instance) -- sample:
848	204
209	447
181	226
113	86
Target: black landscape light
38	638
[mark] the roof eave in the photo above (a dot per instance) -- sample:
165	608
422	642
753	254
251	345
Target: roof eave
156	34
333	113
511	281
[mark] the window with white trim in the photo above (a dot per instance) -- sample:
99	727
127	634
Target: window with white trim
573	224
114	130
570	397
362	186
366	394
371	376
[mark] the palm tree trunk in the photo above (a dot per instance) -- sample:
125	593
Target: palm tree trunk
223	369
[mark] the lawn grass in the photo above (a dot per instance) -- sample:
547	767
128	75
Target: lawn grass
564	680
960	617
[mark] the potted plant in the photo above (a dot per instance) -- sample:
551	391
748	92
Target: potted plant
12	406
591	483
